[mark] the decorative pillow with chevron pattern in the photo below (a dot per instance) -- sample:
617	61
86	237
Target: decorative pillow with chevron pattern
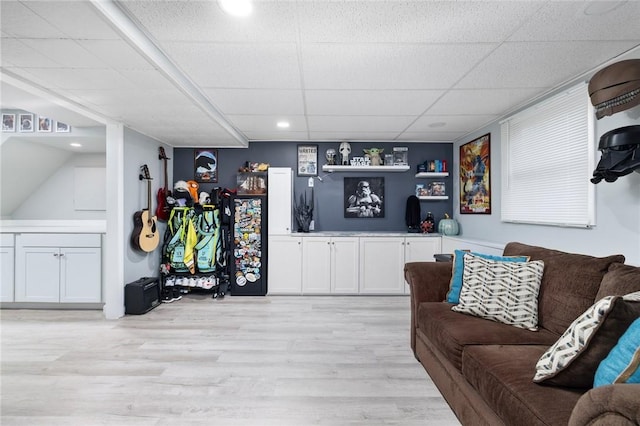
574	358
505	292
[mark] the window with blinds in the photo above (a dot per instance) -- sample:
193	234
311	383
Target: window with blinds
548	155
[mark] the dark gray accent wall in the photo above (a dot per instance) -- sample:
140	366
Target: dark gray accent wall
329	193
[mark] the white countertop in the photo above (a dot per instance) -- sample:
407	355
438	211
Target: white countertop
362	234
54	226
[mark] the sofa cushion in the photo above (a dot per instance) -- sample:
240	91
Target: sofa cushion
502	376
506	292
622	364
573	359
620	280
451	331
569	284
457	270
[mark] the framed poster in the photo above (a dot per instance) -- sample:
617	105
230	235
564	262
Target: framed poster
8	122
26	122
307	160
62	127
364	197
206	165
475	173
44	124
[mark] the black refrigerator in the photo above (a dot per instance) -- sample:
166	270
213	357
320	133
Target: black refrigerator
249	238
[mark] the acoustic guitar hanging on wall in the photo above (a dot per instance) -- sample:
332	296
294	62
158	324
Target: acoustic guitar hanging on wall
145	236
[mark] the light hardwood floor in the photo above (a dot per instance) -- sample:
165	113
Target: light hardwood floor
237	361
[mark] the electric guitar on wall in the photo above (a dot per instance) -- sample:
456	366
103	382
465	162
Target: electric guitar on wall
145	236
163	209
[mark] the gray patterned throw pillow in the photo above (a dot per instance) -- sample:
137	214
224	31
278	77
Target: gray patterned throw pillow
506	292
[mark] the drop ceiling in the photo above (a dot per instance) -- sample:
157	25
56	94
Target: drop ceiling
187	74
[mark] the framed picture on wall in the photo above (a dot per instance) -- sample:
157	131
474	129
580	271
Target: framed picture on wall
307	160
62	127
44	124
364	197
475	173
8	122
206	165
25	122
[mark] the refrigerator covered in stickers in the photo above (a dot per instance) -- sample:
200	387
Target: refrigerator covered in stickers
249	238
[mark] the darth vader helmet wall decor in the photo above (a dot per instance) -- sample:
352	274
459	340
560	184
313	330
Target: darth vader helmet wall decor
615	88
620	154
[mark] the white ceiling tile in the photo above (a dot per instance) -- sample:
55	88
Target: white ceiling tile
20	21
260	66
116	54
16	53
539	64
271	21
148	80
253	123
327	135
65	51
411	21
572	20
359	123
481	101
431	136
277	136
257	101
453	123
369	102
388	66
88	79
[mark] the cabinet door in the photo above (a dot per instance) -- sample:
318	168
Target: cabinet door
280	200
80	275
345	265
381	265
38	274
421	249
316	265
285	265
6	274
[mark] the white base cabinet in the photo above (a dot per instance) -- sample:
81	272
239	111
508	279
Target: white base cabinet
381	265
285	265
330	265
421	249
58	268
7	256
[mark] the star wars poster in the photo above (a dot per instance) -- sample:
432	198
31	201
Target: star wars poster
475	167
364	197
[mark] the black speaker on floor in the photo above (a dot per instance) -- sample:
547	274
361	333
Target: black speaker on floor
141	296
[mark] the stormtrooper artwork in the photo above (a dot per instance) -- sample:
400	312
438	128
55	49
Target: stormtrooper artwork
344	150
364	197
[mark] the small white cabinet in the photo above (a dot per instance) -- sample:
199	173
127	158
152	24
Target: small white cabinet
285	265
58	268
382	265
280	189
7	256
421	248
330	265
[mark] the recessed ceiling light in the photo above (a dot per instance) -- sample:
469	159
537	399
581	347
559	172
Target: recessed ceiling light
283	124
236	7
75	144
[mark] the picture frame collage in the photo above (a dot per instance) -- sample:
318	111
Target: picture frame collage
29	122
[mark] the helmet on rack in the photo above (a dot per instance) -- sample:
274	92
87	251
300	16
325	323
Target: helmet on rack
620	154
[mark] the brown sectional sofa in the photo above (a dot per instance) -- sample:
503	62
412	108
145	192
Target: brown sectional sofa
484	369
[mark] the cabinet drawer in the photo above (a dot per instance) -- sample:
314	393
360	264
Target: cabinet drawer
58	240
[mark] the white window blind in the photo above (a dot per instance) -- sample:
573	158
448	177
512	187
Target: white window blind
547	160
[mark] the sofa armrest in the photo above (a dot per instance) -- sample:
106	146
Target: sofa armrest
428	282
608	405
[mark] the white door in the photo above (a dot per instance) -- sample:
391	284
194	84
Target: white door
6	274
382	265
421	249
345	265
80	275
316	265
280	187
285	265
38	274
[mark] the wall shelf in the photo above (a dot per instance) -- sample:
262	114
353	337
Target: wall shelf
432	174
327	168
433	197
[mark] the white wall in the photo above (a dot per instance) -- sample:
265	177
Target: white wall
617	227
53	199
138	150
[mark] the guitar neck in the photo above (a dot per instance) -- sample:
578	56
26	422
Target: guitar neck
149	195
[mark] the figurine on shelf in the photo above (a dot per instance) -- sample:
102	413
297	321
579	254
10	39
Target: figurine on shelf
374	155
345	150
303	212
331	157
